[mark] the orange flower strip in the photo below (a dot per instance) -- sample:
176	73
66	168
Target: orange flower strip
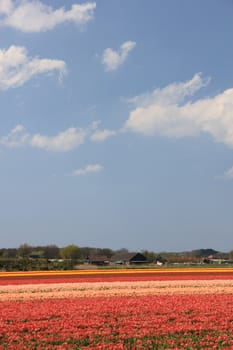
130	271
114	275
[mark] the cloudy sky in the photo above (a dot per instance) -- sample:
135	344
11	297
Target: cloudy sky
117	123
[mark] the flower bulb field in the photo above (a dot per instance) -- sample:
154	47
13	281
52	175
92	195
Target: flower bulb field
190	308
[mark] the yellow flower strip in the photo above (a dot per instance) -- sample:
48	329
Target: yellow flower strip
115	272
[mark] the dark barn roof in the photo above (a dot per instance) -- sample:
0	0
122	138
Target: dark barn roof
129	257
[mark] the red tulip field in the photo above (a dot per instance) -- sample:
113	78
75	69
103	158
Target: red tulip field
104	309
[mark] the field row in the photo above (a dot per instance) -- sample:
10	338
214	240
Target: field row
72	276
149	322
162	270
107	289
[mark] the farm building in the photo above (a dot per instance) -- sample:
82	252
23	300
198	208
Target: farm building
128	258
98	260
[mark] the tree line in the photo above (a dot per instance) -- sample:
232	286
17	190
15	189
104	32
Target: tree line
52	251
48	257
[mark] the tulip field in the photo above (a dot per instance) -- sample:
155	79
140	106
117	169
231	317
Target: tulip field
117	309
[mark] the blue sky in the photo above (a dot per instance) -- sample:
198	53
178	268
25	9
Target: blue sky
117	124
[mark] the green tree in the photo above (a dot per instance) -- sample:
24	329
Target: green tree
231	255
150	256
51	251
70	252
24	250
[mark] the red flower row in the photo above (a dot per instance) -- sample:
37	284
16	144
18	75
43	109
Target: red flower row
175	322
166	276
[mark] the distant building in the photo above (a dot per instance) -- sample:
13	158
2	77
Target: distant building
128	258
98	260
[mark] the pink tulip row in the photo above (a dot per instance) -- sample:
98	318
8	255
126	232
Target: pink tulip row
119	322
107	289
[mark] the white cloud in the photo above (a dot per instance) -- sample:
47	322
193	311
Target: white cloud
94	125
171	94
113	59
17	137
6	7
91	168
101	135
170	113
34	16
62	142
229	173
16	67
